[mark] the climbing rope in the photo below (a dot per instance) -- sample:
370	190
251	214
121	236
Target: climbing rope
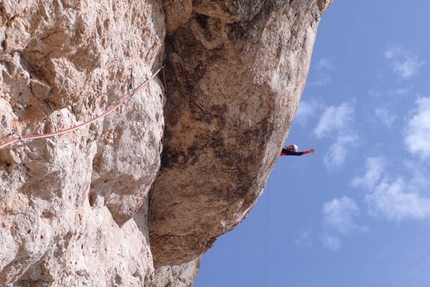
266	235
107	112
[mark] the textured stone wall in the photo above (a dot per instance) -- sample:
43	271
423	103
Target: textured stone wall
69	204
155	182
236	71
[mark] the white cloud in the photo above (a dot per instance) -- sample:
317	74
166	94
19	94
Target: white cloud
335	122
338	215
404	63
306	110
417	133
390	199
375	167
334	119
396	199
338	218
336	154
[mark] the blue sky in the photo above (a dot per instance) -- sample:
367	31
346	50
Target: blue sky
357	212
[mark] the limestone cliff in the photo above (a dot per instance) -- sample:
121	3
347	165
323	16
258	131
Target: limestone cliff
157	180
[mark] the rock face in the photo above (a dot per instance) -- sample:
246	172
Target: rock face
235	73
70	204
103	204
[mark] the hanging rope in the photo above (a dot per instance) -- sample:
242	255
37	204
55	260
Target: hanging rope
59	132
266	235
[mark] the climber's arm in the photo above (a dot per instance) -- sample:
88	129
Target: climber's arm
296	153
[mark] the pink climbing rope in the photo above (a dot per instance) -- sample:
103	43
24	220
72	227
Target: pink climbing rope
59	132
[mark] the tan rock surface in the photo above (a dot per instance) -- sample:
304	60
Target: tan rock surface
236	71
65	200
74	208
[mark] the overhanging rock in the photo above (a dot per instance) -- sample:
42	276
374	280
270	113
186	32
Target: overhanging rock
235	76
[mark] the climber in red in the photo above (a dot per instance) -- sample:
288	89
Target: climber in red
292	149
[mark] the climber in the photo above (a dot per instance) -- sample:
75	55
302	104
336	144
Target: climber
292	149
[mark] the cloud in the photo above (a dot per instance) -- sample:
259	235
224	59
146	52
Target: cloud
375	167
390	199
404	63
338	214
338	218
337	152
394	199
334	119
417	133
400	198
324	64
335	122
306	110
